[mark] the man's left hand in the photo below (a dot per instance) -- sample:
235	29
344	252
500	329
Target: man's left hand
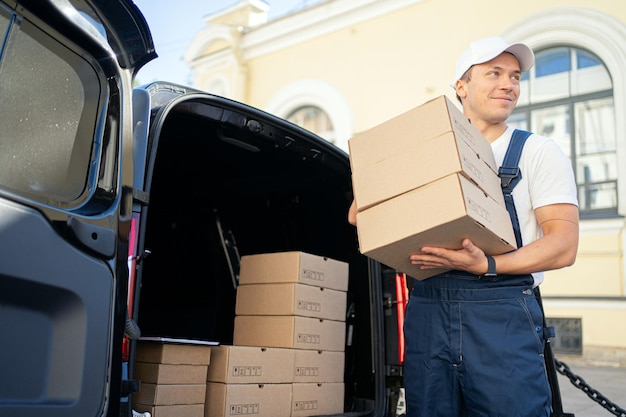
469	258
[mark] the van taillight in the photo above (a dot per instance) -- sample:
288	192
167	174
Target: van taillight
132	266
402	297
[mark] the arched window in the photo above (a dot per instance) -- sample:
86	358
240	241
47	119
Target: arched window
568	96
314	119
316	105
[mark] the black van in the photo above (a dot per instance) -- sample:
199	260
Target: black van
125	210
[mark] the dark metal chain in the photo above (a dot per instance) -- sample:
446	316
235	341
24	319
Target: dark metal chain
594	394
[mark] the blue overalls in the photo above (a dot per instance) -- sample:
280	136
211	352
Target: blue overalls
475	345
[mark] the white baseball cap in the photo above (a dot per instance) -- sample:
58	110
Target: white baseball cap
486	49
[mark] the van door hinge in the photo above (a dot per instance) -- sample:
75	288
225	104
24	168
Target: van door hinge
129	387
141	196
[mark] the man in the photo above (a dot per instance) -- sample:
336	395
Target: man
474	343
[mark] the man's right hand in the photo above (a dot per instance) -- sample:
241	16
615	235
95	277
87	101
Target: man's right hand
352	214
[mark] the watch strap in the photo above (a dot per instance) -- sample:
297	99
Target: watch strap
491	267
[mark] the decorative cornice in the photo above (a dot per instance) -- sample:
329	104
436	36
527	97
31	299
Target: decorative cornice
313	22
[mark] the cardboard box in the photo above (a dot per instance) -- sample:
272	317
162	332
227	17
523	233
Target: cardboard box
291	299
317	399
254	400
172	353
294	267
251	365
422	145
318	366
168	394
187	410
441	213
158	373
290	332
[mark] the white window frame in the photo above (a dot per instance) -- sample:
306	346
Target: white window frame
597	32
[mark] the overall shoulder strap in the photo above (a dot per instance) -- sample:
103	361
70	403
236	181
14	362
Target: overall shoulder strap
510	175
509	172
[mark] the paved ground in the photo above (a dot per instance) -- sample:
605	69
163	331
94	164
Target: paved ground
609	381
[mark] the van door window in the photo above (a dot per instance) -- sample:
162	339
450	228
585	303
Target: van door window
48	104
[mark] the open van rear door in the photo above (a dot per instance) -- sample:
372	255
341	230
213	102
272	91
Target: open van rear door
66	73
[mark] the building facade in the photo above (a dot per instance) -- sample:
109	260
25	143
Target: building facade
339	67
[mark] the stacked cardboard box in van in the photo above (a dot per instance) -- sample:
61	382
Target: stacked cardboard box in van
172	377
249	380
426	177
289	338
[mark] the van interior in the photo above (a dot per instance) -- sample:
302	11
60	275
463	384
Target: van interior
225	184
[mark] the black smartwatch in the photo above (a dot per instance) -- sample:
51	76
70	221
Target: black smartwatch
491	267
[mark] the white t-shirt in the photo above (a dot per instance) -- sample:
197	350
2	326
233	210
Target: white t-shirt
547	178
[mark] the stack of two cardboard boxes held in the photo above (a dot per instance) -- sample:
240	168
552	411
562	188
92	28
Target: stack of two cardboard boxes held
287	358
173	378
426	177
